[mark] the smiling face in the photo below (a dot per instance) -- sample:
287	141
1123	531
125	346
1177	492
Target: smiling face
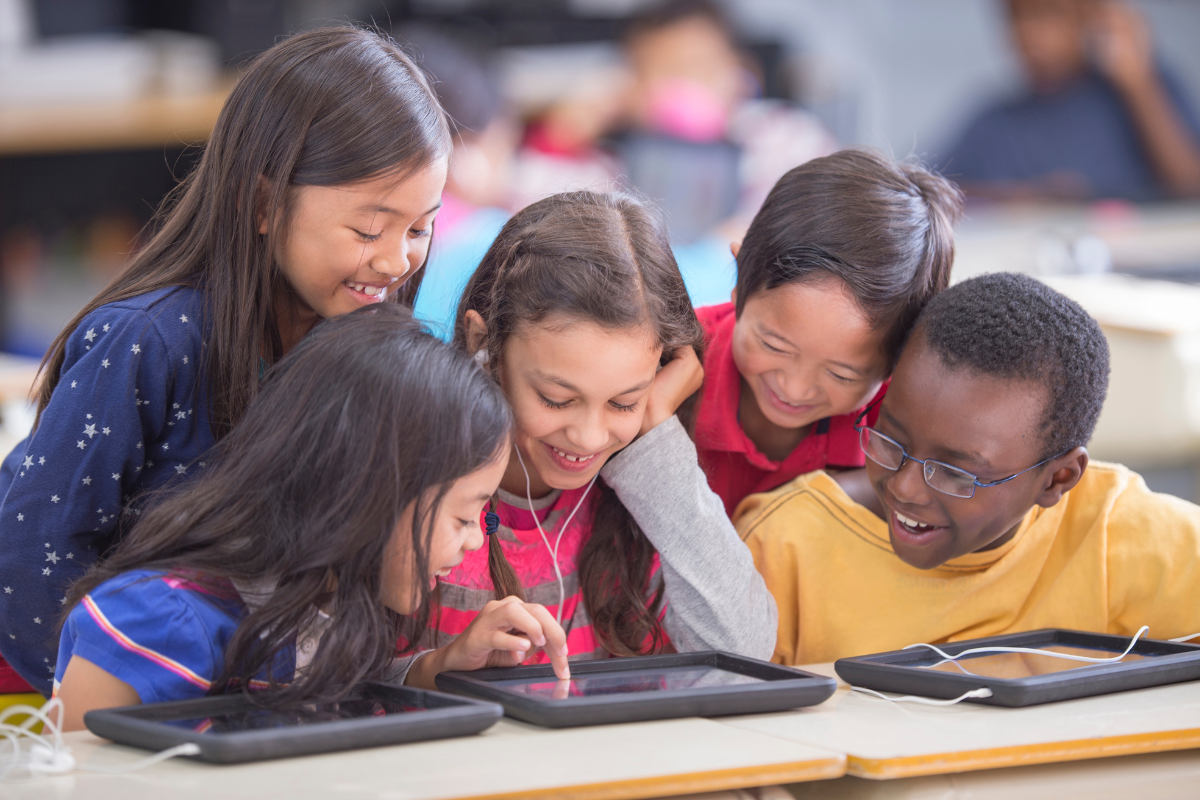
983	424
578	392
350	246
455	532
806	351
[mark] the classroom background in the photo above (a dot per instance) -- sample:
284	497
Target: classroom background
699	106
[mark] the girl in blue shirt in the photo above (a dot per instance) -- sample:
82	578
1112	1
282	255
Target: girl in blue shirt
356	476
315	196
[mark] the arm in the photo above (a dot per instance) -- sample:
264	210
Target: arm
1125	55
62	509
715	598
135	639
86	687
1153	566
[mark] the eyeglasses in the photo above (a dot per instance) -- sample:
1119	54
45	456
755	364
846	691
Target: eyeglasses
890	454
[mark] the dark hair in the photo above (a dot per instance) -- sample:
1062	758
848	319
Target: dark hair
367	418
671	12
883	228
323	108
604	258
1014	327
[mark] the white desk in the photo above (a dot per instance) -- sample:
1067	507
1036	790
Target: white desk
890	740
1162	776
510	760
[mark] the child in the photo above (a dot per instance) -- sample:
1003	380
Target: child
833	270
1010	529
361	469
315	196
574	309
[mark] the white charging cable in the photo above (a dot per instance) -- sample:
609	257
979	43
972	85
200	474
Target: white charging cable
48	754
988	692
1033	651
926	701
1179	639
562	592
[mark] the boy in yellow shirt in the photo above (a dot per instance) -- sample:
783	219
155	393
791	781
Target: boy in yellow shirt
979	513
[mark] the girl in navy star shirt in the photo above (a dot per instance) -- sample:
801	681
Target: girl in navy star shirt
313	538
315	196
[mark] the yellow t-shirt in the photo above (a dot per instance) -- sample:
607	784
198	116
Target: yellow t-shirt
1111	556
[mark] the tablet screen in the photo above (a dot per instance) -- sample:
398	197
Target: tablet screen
260	718
1021	665
635	681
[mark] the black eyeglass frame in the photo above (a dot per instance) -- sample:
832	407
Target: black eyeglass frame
905	458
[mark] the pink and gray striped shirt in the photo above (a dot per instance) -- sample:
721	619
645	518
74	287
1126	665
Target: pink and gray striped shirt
469	586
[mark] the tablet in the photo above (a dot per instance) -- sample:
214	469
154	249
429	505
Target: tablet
611	690
231	729
1024	679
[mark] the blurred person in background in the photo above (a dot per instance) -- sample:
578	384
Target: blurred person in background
1101	118
478	187
685	125
700	137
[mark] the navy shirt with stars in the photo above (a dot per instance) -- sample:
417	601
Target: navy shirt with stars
129	413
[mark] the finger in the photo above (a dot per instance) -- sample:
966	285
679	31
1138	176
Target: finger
519	617
507	642
561	690
555	645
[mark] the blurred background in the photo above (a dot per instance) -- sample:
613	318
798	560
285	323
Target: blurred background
1072	124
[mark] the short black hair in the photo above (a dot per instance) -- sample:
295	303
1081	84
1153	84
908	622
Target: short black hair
1015	327
882	227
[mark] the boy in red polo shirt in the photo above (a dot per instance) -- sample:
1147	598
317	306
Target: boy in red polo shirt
832	273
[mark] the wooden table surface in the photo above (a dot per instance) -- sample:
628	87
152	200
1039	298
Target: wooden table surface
890	740
510	760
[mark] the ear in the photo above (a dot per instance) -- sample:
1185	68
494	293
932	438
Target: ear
260	199
1063	473
735	248
476	331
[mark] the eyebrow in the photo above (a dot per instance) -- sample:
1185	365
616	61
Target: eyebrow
387	210
974	459
542	376
766	331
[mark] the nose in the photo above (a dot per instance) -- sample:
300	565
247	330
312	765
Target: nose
588	433
799	385
474	540
395	261
907	484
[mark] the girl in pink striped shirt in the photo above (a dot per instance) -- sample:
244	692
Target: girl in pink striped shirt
604	517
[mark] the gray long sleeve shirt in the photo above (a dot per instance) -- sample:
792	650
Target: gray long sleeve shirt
716	600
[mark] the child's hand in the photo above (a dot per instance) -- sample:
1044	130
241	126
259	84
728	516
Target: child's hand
674	383
500	636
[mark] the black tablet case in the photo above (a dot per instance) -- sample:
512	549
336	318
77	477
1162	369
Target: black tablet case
782	688
442	716
1171	662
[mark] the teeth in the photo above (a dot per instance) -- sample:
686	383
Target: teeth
573	458
442	573
370	291
912	523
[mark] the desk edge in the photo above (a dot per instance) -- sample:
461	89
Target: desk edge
659	786
1022	755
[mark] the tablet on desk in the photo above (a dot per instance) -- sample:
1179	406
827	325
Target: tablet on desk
233	729
1026	679
642	688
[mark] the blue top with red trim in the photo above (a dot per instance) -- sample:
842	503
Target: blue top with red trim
163	635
